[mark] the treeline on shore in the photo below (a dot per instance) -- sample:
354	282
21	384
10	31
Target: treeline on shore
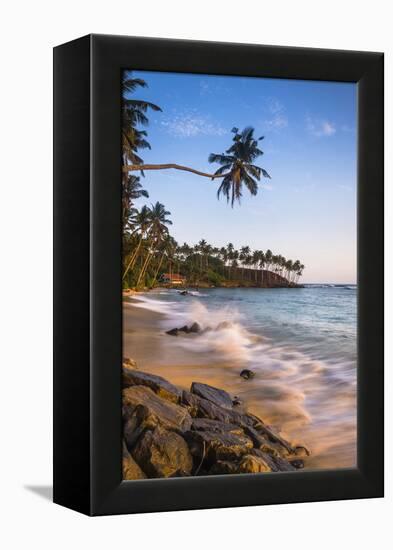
150	252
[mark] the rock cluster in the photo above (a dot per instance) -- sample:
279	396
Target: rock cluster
168	432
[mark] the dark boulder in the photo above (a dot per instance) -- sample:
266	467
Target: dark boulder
247	374
154	409
283	465
131	470
273	437
267	441
276	463
207	409
213	446
191	402
236	401
195	327
224	467
208	425
184	329
257	439
250	464
172	332
161	453
134	426
270	449
297	463
199	407
219	397
159	385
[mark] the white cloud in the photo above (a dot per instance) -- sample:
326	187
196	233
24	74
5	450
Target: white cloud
277	119
278	122
275	106
320	128
191	124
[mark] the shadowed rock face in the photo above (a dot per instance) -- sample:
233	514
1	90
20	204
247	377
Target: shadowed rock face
131	470
219	397
159	385
173	433
208	425
163	454
276	463
217	446
199	407
155	409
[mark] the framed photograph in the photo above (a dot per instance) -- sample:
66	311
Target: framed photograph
218	275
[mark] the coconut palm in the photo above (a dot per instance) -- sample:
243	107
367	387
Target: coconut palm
134	113
159	220
166	249
142	221
132	190
237	165
157	231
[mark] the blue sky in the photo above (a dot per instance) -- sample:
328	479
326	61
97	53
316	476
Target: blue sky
306	211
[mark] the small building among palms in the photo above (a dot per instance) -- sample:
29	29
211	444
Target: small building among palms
172	278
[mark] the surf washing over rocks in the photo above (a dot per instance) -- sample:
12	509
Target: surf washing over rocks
300	345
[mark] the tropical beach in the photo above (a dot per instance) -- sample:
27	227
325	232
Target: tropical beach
239	295
302	386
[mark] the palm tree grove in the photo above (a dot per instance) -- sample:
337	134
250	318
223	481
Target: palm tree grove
151	256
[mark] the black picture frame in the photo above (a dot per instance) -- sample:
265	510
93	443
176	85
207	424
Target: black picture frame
87	274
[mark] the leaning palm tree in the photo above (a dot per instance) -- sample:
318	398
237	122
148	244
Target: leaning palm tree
142	221
157	230
167	248
237	165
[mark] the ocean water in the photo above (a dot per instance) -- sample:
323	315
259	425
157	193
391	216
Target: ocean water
301	343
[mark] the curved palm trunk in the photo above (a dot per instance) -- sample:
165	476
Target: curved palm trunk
144	267
133	257
158	269
143	167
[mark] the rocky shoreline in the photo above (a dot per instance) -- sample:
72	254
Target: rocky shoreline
169	432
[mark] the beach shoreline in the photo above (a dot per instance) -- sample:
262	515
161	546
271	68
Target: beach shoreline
156	353
270	395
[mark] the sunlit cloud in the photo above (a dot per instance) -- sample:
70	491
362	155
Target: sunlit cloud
320	128
277	115
192	124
